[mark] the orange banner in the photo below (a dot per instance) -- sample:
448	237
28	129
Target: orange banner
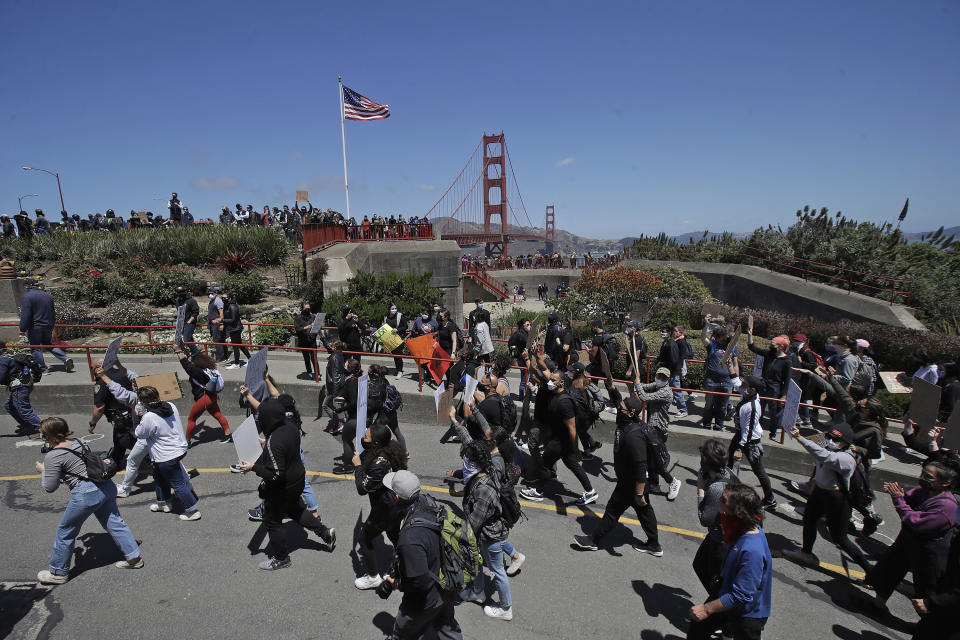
421	348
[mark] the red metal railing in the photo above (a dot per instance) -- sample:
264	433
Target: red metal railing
884	287
489	282
318	236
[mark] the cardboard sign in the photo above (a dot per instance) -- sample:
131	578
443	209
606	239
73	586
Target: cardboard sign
579	324
924	406
246	440
318	321
891	380
604	364
951	437
791	408
444	403
750	324
712	309
728	354
532	336
178	332
633	359
387	338
256	370
583	356
113	350
363	385
166	384
303	196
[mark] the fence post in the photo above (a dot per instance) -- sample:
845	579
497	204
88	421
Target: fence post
150	339
249	335
316	366
90	366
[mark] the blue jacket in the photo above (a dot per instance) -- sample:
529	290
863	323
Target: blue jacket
36	310
747	577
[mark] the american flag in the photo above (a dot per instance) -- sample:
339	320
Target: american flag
358	107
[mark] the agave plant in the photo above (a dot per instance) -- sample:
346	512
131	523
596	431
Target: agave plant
234	261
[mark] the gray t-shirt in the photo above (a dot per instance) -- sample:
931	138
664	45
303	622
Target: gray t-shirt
59	465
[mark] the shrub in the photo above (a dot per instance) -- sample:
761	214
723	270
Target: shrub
160	284
99	289
617	289
368	295
274	336
70	311
234	261
677	283
246	287
127	312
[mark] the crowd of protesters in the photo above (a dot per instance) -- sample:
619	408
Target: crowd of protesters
539	260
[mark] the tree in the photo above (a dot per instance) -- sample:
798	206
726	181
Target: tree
617	289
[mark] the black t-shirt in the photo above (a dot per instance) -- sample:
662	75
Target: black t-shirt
561	409
491	410
445	336
777	374
418	549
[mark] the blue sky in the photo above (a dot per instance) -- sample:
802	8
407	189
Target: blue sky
633	117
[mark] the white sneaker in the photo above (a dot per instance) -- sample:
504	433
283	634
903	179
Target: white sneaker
682	414
399	375
498	613
674	489
160	507
122	492
514	567
531	494
190	517
367	582
232	366
588	497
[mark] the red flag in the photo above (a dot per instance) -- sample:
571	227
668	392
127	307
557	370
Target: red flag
438	368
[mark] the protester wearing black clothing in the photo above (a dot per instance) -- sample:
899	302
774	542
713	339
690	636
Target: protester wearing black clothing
281	469
630	465
396	321
517	346
417	565
475	317
234	328
191	312
302	323
600	338
380	456
117	413
465	366
776	378
938	609
950	394
336	377
448	334
553	338
349	329
713	478
9	230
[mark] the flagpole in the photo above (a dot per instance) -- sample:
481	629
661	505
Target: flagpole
343	138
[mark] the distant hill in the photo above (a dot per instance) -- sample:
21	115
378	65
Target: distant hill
917	237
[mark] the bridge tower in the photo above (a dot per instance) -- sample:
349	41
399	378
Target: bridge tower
550	230
495	191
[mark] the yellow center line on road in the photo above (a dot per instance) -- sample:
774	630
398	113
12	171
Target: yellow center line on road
699	535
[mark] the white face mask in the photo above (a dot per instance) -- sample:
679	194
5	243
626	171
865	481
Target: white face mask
425	316
393	312
551	385
211	295
663	334
436	309
479	306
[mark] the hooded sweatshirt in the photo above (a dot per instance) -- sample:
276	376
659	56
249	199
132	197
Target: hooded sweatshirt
162	430
658	401
924	516
279	464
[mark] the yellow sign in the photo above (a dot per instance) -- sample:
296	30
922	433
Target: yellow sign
387	338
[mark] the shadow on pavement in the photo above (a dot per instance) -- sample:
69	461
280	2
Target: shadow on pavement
672	603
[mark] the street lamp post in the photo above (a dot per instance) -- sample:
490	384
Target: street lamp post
28	195
63	207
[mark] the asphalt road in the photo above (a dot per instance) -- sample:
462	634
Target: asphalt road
201	578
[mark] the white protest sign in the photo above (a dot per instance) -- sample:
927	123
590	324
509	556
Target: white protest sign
246	440
113	350
758	365
468	389
256	371
178	332
436	396
791	407
362	386
318	323
924	406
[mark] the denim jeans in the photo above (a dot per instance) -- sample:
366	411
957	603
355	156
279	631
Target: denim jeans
172	479
18	406
492	553
217	335
88	499
678	398
44	335
134	459
187	338
716	406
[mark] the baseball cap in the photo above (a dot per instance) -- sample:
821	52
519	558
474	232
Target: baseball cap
633	403
863	343
576	367
842	431
403	483
755	382
550	363
799	337
783	341
663	371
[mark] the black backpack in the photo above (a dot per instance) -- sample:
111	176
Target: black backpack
686	351
658	458
859	493
611	346
510	509
508	414
28	370
100	466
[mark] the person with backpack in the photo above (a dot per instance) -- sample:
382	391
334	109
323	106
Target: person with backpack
748	437
206	382
124	395
829	498
19	371
713	477
233	327
160	426
562	443
656	397
398	323
280	467
388	398
376	394
419	563
927	520
605	341
588	410
803	358
335	379
215	323
482	510
776	378
671	359
631	464
64	463
191	313
381	455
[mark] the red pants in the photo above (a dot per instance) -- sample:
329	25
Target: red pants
209	404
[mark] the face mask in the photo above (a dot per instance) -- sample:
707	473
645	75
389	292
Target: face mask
211	295
796	345
832	446
469	470
366	445
551	385
425	316
660	383
926	483
140	410
435	309
829	347
393	312
731	526
479	306
663	334
306	312
623	418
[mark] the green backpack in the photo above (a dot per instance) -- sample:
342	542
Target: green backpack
460	559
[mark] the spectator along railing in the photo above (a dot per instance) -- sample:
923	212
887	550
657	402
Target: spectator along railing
894	290
318	236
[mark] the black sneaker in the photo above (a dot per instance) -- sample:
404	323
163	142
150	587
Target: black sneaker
596	445
255	514
769	505
646	547
273	564
584	542
330	537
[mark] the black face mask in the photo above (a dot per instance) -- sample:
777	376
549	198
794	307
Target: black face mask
366	445
623	418
305	312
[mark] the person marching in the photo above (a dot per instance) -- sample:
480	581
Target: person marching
19	371
215	322
233	327
749	437
118	413
306	341
395	320
191	312
206	382
63	464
